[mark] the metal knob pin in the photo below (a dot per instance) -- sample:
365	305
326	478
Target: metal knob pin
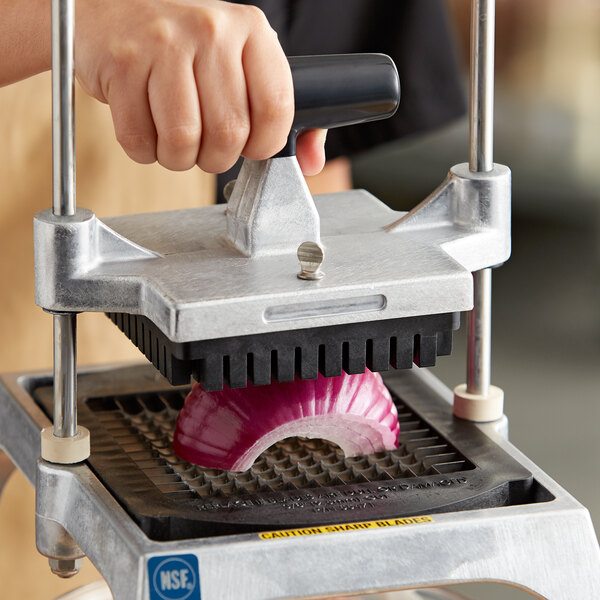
311	256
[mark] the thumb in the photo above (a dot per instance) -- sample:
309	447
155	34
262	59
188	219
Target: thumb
310	151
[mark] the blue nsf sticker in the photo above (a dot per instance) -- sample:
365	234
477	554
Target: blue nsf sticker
174	577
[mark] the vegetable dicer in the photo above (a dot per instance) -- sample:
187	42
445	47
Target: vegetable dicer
279	285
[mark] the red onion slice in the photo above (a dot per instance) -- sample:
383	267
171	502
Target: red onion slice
231	428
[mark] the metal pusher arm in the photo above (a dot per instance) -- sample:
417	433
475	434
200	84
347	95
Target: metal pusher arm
270	208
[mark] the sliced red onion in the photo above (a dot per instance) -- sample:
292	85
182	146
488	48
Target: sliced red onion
231	428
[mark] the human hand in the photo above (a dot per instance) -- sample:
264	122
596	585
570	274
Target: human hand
190	82
310	150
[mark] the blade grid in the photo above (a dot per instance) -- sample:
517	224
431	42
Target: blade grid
143	426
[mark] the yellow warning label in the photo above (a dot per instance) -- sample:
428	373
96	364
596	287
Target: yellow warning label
284	533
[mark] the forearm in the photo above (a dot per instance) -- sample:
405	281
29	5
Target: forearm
25	39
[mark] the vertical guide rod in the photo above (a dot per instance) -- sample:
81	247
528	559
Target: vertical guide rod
481	137
63	108
63	205
481	108
65	375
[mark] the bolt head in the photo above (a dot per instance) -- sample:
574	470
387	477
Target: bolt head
65	568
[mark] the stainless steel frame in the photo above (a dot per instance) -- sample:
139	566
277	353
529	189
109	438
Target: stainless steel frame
548	548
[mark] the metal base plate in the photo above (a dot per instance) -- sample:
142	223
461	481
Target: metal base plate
547	548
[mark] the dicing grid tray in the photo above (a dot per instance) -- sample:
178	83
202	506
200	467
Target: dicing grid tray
296	482
143	426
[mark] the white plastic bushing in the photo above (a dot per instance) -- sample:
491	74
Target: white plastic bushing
476	407
65	451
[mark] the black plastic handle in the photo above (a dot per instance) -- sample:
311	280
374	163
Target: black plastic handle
334	90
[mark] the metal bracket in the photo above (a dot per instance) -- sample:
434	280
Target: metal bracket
478	204
52	540
66	248
271	209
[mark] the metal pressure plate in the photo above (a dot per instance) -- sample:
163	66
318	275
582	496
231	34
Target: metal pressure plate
183	271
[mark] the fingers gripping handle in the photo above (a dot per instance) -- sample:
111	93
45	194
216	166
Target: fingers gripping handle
341	89
271	209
